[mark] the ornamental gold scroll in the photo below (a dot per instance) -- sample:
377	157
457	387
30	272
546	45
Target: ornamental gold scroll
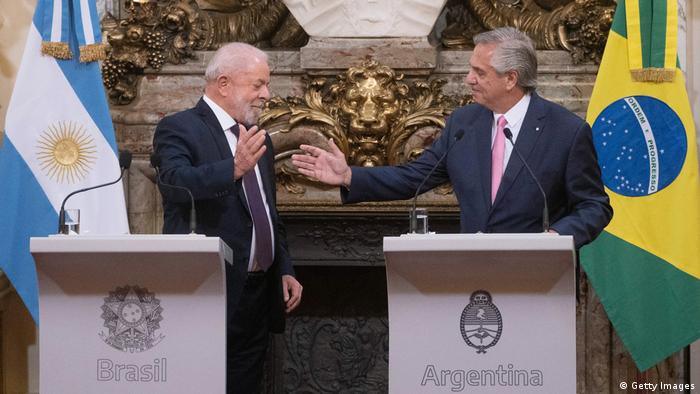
372	115
156	32
578	26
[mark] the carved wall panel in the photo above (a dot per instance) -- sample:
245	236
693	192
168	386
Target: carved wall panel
157	32
330	355
154	33
369	112
578	26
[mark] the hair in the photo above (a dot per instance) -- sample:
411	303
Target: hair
514	52
231	58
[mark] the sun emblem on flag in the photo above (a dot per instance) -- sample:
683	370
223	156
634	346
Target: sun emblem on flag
66	152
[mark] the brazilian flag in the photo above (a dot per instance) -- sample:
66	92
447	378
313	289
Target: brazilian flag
645	266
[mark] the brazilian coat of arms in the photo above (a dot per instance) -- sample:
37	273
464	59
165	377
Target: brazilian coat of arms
132	316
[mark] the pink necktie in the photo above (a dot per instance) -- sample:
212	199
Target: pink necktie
497	151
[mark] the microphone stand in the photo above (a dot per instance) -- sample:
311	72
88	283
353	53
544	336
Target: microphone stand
155	163
413	219
545	210
124	164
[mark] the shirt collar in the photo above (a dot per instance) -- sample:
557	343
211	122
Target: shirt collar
515	115
225	120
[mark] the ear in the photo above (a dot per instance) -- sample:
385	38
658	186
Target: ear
222	83
511	79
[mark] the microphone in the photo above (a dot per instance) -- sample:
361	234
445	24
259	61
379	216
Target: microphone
124	164
545	210
413	222
155	163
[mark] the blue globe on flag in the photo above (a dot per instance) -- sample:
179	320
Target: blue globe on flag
641	145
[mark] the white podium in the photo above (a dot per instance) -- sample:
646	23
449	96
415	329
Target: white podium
481	313
131	314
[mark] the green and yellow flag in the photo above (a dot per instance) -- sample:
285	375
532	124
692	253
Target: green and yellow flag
645	266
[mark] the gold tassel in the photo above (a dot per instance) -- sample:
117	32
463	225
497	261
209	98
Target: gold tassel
93	52
59	50
653	74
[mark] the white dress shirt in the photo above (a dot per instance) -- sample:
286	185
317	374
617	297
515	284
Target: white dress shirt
514	118
226	122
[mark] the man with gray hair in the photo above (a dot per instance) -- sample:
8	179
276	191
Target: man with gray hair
216	151
494	190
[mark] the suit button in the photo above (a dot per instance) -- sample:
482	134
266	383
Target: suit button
250	225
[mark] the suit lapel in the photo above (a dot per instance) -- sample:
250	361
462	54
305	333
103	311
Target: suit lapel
222	145
530	131
214	128
482	127
225	151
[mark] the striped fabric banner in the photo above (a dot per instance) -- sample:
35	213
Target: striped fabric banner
55	23
54	28
652	35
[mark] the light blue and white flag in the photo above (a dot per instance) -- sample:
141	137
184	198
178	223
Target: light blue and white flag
58	138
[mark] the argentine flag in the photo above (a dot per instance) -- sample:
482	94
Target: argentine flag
58	138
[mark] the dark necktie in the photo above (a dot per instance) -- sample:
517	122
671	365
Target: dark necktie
263	238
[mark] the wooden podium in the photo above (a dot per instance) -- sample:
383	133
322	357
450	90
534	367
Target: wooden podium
132	313
481	313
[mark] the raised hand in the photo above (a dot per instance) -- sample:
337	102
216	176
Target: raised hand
327	167
250	148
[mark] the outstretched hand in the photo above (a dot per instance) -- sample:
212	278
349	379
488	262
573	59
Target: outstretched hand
327	167
249	149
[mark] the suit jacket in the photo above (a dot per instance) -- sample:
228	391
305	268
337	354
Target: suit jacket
195	154
556	144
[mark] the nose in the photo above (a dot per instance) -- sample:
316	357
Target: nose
469	79
265	93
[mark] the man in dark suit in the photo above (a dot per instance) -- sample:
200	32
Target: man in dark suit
215	150
494	190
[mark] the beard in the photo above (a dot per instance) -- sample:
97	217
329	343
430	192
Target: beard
249	112
251	115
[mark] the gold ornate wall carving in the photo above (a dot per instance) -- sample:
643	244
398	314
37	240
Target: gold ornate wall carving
369	111
159	31
578	26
